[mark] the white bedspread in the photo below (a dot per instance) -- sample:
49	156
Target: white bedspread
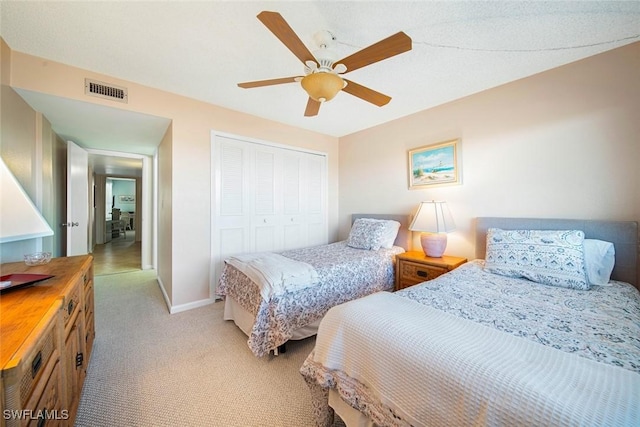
457	372
275	274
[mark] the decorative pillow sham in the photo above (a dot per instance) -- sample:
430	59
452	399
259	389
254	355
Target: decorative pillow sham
366	233
599	259
550	257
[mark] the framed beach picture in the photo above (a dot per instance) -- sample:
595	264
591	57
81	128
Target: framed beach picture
435	164
127	199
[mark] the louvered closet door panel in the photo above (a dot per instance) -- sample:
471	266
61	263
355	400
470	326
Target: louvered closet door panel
294	228
264	183
232	203
232	208
266	224
315	196
231	242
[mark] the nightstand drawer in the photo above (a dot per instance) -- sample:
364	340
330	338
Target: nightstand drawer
416	273
415	267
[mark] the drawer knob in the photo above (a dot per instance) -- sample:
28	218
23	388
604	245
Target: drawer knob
421	273
36	364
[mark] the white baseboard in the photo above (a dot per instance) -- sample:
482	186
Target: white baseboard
164	293
173	309
191	305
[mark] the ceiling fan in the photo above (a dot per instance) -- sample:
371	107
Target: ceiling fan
322	79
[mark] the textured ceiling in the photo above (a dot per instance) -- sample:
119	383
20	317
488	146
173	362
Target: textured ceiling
203	49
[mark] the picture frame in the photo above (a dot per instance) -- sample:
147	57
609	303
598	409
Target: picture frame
127	199
434	165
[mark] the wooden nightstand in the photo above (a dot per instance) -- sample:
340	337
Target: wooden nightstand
415	267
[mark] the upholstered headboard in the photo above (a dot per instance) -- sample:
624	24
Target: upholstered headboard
403	239
623	235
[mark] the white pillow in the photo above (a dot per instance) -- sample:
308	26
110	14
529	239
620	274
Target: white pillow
599	259
366	234
390	233
551	257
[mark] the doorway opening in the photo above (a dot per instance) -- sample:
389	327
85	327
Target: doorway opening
122	249
122	205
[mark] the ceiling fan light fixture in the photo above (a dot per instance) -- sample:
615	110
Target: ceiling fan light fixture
322	86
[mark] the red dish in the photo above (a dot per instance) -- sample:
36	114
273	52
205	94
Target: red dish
19	280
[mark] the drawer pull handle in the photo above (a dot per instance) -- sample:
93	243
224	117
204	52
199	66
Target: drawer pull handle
79	359
70	307
422	273
36	364
42	419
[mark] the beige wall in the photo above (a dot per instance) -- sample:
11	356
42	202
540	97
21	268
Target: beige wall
187	278
27	148
165	212
561	144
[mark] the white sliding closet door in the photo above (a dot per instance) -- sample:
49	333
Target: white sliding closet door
267	198
266	223
304	212
315	200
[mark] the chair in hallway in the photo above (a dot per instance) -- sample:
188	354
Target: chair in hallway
121	226
126	219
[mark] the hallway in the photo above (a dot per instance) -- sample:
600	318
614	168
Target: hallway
120	255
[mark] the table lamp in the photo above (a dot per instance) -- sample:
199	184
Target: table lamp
434	220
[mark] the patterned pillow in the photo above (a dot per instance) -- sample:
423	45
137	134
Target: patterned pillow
551	257
389	233
366	234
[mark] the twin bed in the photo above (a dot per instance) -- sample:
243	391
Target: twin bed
540	329
274	298
519	336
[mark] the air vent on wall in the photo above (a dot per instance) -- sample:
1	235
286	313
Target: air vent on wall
104	90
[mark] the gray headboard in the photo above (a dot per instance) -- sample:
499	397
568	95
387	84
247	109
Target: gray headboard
623	235
403	239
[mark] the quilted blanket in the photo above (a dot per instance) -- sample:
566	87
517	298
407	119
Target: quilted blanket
274	273
421	366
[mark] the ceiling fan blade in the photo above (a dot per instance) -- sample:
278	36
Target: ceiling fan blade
391	46
279	27
312	109
366	94
259	83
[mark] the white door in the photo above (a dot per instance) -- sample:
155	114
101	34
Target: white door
77	200
266	198
264	184
315	188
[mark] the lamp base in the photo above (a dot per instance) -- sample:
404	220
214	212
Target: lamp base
433	244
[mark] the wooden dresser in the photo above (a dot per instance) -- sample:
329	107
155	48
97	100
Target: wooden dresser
46	335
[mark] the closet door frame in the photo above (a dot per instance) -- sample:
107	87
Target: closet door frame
216	192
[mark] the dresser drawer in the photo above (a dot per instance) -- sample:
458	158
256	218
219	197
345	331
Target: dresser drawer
48	409
25	382
72	304
88	300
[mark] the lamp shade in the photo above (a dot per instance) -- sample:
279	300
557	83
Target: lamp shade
434	217
19	217
434	220
322	86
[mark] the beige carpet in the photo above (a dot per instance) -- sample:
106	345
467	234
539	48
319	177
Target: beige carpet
150	368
